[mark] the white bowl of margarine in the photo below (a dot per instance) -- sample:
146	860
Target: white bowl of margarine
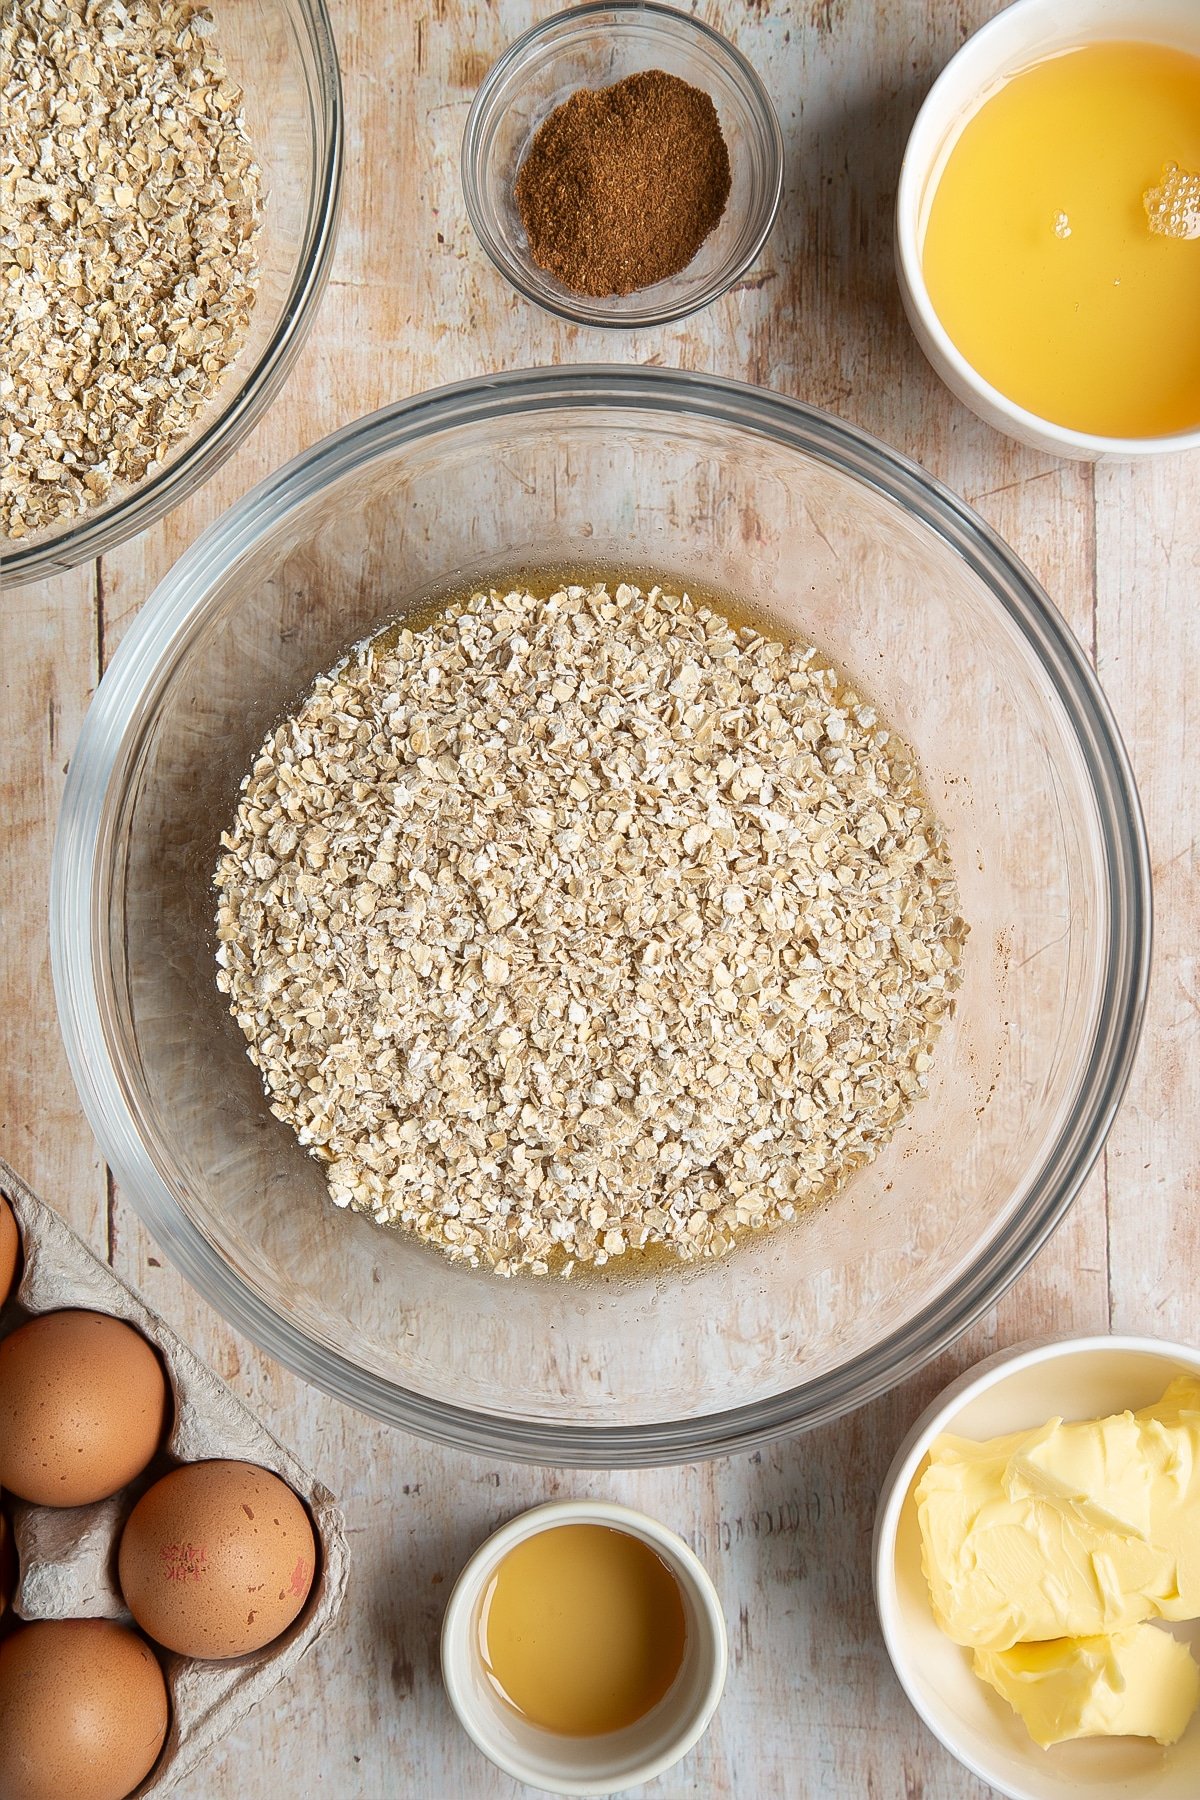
584	1648
1043	1552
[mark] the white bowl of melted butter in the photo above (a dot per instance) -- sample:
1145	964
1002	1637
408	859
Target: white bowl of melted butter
1021	1390
584	1648
1023	340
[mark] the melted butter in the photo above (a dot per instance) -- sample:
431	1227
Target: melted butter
1063	274
449	598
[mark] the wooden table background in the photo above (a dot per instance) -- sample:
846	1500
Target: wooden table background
812	1708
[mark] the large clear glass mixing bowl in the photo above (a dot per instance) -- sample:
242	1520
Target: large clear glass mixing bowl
282	55
808	523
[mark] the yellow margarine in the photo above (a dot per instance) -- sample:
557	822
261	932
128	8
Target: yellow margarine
1069	1531
1140	1682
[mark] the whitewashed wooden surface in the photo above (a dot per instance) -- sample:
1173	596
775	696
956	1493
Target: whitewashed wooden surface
812	1708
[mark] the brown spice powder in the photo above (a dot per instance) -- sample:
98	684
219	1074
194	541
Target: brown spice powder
622	185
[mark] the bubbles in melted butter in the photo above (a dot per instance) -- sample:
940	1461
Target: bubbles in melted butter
1173	207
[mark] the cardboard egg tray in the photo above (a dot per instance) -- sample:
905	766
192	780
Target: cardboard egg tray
67	1557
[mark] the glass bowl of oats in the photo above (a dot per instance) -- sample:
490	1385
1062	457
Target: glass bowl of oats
171	191
574	790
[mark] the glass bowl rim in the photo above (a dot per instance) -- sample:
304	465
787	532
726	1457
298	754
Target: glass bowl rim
589	310
124	706
93	533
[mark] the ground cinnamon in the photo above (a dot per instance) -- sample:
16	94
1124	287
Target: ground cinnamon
622	185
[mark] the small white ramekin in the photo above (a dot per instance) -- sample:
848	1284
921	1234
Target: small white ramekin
1075	1378
618	1759
1023	33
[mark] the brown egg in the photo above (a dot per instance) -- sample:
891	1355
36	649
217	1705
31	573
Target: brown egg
10	1249
83	1711
83	1408
217	1559
8	1565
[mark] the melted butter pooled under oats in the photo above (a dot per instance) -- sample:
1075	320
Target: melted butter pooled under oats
570	928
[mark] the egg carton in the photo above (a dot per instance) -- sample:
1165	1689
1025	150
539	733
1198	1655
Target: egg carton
68	1556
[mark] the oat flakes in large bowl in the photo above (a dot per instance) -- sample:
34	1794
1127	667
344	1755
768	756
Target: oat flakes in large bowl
170	177
583	925
1015	812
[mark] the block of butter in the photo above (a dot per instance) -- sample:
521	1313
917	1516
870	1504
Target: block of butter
1140	1682
1068	1531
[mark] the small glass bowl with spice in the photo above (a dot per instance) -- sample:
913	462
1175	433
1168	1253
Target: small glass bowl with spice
622	164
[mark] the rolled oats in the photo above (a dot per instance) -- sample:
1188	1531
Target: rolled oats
131	203
571	927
